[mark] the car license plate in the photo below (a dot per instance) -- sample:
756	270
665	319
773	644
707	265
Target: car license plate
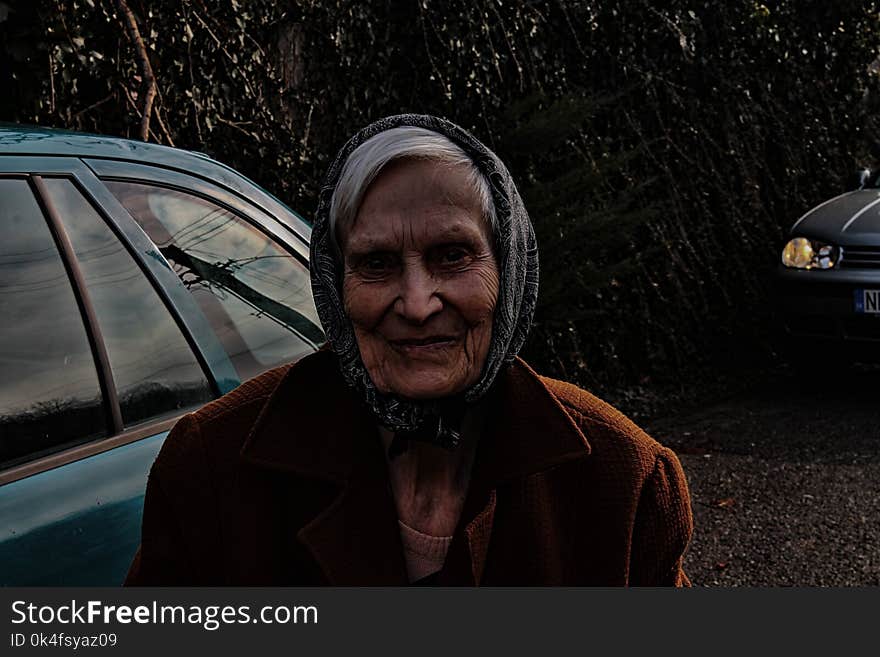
867	301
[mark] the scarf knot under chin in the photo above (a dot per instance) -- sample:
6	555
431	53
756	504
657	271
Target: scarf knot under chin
440	426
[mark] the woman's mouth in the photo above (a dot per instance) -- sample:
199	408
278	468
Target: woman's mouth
425	345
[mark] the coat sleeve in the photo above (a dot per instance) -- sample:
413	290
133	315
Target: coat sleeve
165	555
663	526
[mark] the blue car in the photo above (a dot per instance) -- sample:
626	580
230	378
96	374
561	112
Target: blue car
137	283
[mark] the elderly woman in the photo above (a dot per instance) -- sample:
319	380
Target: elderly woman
417	447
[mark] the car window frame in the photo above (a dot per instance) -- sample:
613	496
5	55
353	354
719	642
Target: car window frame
284	230
196	328
82	299
280	243
218	369
285	237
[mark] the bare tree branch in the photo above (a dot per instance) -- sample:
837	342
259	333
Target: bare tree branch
192	81
106	98
149	80
255	93
51	84
159	109
137	110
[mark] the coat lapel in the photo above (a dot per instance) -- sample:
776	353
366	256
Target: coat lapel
527	431
356	540
314	427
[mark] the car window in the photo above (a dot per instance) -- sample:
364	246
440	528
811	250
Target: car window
154	369
50	397
256	295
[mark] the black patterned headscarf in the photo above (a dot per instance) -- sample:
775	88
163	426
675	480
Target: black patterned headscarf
516	254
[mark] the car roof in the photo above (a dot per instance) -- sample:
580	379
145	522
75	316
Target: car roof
34	140
18	139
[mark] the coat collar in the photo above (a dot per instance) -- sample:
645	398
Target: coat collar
314	426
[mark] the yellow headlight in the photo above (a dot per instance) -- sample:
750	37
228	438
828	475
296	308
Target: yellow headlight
798	253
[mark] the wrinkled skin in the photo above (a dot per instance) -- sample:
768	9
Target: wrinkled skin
421	280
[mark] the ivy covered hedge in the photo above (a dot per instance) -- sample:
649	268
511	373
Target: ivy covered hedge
662	148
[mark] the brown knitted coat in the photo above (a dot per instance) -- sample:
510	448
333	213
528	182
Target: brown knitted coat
283	482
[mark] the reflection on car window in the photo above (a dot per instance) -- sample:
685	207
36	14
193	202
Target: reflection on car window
256	295
153	367
49	392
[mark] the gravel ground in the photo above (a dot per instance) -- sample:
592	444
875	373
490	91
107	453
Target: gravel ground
785	483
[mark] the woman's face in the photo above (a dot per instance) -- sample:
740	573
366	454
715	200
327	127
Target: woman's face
420	281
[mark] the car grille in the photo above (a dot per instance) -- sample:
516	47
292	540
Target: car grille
860	257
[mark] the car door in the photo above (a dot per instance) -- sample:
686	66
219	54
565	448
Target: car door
109	338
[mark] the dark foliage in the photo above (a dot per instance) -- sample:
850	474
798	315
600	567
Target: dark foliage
662	149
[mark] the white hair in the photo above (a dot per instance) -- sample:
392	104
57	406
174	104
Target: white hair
368	159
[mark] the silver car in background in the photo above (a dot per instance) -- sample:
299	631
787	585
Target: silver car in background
828	283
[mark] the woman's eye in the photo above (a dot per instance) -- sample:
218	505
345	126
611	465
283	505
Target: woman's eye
376	264
454	256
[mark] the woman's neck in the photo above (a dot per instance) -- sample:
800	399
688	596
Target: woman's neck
430	482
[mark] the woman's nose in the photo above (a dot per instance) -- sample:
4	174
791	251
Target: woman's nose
418	299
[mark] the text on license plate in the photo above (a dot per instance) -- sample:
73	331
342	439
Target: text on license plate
867	301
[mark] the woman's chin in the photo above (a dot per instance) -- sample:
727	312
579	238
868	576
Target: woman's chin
424	383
